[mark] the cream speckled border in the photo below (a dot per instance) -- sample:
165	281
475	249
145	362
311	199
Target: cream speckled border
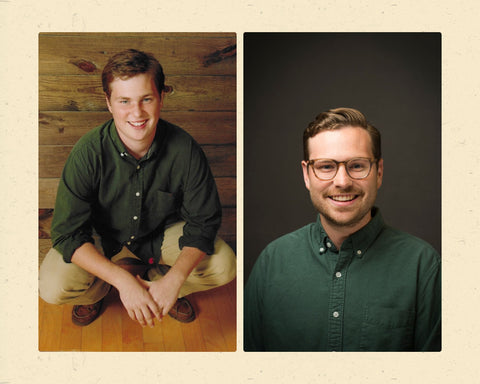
20	23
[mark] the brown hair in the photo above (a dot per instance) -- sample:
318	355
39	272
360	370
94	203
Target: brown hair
129	63
339	118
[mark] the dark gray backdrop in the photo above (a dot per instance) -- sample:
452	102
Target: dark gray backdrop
393	78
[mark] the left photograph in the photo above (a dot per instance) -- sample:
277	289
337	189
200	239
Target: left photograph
137	192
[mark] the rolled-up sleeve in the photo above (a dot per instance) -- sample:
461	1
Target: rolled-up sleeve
71	226
201	207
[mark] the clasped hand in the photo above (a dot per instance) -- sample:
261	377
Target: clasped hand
146	300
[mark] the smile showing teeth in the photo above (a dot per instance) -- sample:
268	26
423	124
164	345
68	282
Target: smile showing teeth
137	123
343	197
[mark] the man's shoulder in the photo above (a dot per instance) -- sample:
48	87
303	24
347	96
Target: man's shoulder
176	134
176	143
93	139
407	244
299	238
288	252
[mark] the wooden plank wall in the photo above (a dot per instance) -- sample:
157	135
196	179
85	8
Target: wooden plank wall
199	68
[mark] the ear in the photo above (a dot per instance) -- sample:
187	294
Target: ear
379	173
162	97
306	177
108	104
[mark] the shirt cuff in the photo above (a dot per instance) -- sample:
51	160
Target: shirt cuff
68	246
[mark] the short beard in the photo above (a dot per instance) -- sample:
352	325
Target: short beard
345	224
324	213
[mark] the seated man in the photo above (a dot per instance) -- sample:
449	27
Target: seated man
347	282
144	187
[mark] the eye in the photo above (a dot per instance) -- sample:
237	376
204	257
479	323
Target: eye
123	102
324	166
358	165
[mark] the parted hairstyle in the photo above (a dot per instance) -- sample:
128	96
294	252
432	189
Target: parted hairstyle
129	63
339	118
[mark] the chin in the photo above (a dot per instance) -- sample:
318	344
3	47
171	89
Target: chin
343	219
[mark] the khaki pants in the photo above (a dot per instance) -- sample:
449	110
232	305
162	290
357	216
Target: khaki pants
62	283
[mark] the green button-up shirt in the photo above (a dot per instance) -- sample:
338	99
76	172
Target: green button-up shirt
379	292
128	202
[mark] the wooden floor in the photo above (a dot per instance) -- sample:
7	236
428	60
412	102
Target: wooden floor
214	329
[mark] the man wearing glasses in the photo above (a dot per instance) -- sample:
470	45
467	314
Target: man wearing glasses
347	282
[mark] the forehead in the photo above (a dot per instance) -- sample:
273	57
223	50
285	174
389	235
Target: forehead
140	84
341	144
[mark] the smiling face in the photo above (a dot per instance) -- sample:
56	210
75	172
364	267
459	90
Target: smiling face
135	105
343	202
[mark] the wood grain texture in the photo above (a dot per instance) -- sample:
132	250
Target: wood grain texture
199	54
213	330
92	338
70	335
201	69
66	128
190	93
114	331
214	341
50	319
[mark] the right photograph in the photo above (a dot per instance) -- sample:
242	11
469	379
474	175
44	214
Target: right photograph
342	192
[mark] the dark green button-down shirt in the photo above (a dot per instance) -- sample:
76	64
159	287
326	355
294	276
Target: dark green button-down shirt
128	202
379	292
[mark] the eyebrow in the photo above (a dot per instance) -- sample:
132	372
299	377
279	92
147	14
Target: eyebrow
128	98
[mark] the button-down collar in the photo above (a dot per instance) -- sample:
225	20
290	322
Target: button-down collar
359	241
154	148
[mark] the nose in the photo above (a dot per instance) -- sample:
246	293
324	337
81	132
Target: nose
137	110
341	179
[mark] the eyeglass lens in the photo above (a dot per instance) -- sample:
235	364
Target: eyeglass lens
327	169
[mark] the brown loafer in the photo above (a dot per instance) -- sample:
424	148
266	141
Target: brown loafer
83	315
182	311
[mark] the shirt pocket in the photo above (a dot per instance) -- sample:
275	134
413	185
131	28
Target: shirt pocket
158	207
387	329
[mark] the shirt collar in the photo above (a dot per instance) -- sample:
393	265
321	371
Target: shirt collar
119	146
359	241
158	140
154	148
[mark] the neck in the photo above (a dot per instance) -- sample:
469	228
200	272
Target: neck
137	149
338	232
138	153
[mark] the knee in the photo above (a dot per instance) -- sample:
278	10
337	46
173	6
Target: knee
226	262
58	290
50	290
47	289
49	295
59	282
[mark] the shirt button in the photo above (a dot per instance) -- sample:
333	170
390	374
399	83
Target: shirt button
336	314
150	261
137	194
128	243
359	252
329	245
338	274
132	237
322	250
135	217
138	166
